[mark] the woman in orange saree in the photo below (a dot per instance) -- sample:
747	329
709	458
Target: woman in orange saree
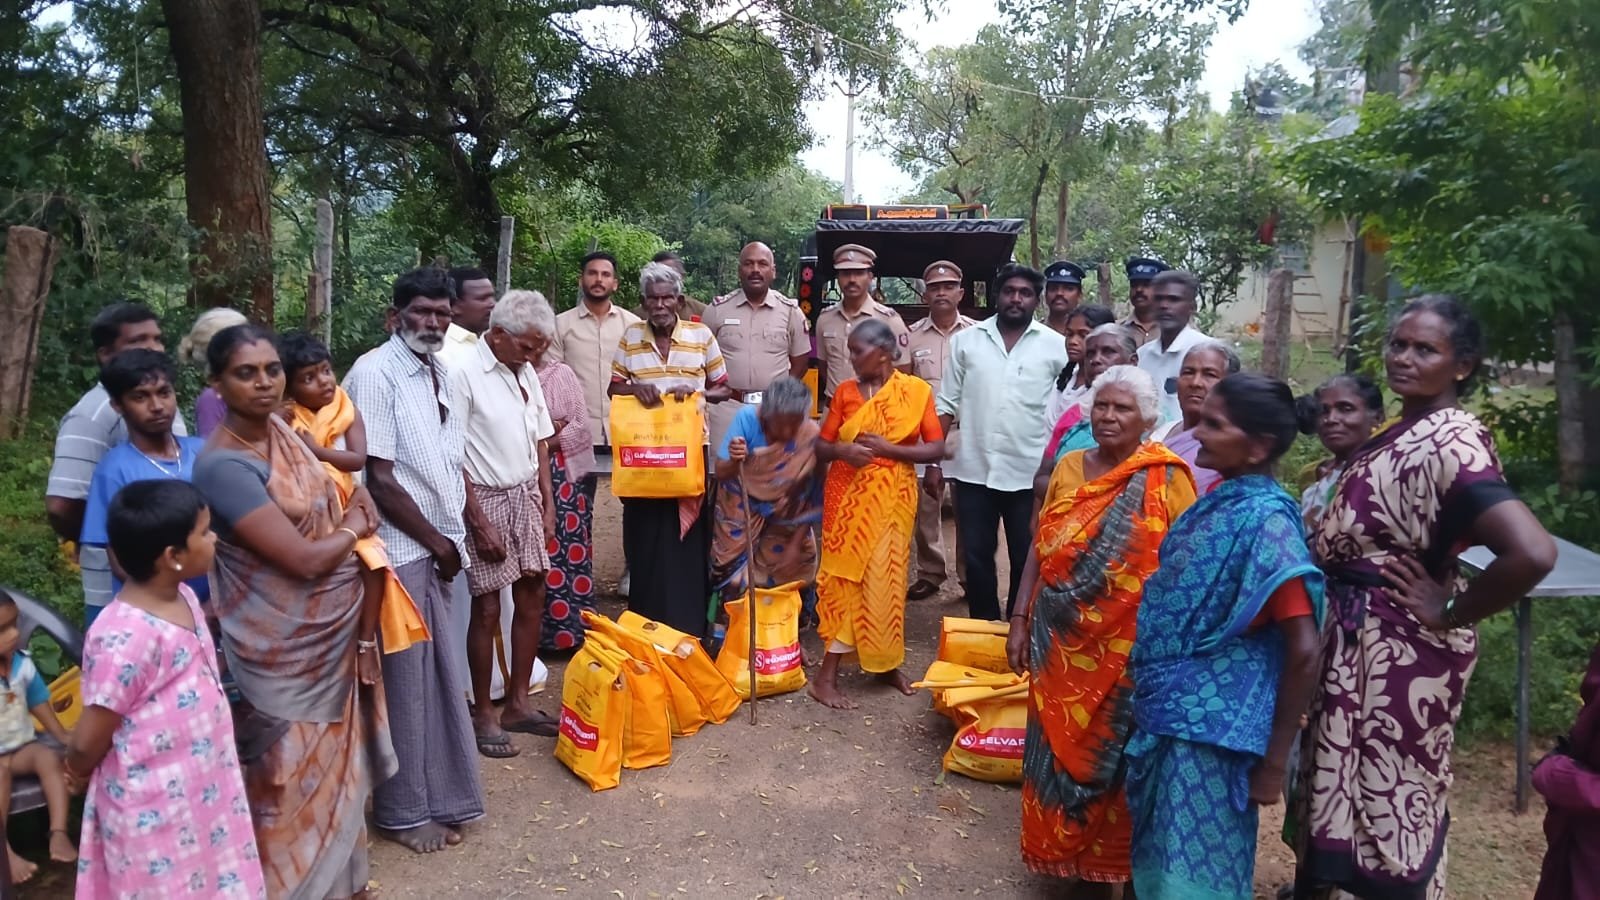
1101	525
879	425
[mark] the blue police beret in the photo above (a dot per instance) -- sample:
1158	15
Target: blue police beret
1063	272
1143	268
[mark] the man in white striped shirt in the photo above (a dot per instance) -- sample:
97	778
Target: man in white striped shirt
87	431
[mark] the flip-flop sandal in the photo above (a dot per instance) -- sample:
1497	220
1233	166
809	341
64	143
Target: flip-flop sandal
535	724
922	590
497	746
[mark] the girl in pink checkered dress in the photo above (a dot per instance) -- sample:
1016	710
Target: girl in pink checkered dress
166	814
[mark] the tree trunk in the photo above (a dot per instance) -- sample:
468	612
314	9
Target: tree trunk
217	47
1063	207
1033	215
31	257
1569	404
1102	286
1275	342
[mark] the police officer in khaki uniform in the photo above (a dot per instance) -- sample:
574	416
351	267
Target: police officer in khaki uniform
1063	291
929	349
761	332
1141	271
853	270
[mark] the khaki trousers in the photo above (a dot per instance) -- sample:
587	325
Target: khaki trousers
928	543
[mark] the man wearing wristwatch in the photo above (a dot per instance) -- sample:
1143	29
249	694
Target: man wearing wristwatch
930	348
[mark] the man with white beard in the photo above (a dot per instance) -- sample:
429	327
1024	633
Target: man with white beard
416	452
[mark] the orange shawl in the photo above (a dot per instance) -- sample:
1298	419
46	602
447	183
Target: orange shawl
399	621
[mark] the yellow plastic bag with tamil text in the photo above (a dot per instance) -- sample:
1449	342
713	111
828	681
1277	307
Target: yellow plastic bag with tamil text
683	707
647	733
594	713
684	656
992	728
779	668
978	643
658	453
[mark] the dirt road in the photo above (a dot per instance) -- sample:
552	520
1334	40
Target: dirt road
817	803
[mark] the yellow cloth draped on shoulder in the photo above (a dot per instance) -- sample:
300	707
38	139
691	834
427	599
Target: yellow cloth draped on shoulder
399	621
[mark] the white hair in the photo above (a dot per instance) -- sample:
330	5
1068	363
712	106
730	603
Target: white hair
659	273
192	349
1230	356
1135	381
522	312
1123	334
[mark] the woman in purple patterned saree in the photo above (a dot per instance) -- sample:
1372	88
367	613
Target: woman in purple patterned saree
1371	809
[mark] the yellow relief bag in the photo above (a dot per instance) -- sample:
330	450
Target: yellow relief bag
594	714
683	707
779	668
685	657
658	453
943	677
993	728
978	643
647	735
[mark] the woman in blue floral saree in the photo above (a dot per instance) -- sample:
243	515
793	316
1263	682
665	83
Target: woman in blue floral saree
1225	659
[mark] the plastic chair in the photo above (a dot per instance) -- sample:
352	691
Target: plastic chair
33	616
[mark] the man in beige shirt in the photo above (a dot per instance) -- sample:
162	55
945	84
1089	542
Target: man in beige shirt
929	351
853	270
587	337
761	332
690	310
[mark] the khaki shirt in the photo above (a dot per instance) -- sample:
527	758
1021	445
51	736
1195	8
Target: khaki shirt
757	340
833	336
691	309
588	345
1139	334
930	348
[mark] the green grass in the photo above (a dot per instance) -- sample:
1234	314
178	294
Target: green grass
33	561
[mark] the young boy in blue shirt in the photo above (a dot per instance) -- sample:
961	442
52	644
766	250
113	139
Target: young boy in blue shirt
141	384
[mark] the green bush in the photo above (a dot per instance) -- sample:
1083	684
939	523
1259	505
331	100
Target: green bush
33	561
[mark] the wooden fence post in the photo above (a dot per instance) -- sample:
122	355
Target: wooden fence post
1275	345
502	262
31	257
319	300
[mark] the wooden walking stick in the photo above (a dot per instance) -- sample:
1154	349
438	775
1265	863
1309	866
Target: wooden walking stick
749	588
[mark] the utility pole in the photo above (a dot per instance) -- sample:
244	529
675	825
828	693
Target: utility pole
850	95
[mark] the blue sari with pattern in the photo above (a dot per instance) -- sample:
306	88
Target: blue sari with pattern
1205	688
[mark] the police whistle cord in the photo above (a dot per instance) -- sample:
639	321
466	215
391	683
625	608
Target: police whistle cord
749	588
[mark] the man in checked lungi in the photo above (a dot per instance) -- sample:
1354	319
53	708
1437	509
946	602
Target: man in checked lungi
510	506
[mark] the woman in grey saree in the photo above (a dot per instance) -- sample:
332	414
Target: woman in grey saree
296	633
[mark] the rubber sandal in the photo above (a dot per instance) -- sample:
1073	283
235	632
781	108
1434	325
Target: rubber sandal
497	746
922	590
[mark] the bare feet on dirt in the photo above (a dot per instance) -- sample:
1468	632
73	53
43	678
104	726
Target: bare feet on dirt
897	680
429	837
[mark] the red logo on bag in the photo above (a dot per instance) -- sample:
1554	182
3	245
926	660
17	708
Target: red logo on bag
582	735
778	660
655	457
1001	743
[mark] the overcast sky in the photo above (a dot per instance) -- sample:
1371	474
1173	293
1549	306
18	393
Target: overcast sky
1271	31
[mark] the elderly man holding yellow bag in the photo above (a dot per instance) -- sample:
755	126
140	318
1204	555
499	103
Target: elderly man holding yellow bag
661	361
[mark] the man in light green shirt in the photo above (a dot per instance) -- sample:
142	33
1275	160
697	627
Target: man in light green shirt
996	386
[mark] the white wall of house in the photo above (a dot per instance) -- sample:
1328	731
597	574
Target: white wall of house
1321	278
